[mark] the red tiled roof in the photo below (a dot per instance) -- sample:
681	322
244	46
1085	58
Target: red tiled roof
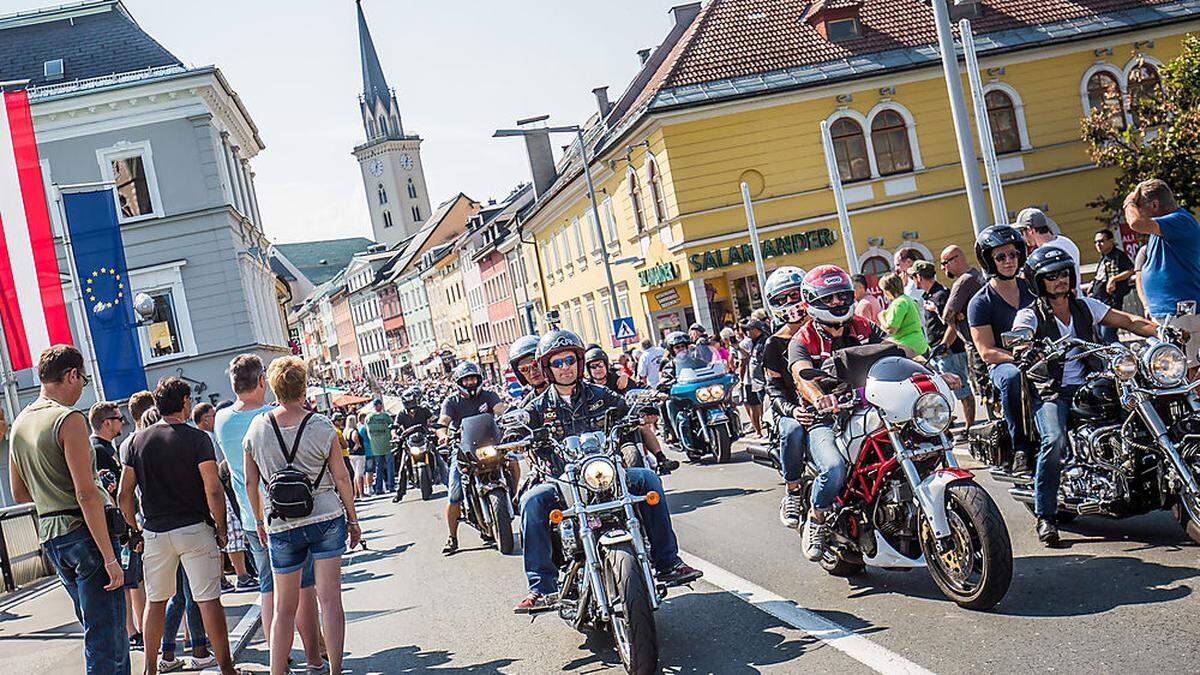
734	38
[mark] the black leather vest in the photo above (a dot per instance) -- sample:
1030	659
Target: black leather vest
1046	379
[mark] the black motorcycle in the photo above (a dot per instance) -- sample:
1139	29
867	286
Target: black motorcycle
1133	432
487	482
416	457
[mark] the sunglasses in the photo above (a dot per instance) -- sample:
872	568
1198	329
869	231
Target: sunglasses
115	417
526	367
83	376
1006	255
790	297
596	364
949	260
1055	276
564	362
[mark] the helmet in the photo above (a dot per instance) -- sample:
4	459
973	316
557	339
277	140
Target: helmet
698	327
595	353
677	338
464	370
523	346
993	238
823	283
411	396
783	294
559	340
1046	260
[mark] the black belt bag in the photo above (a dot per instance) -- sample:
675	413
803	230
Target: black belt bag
113	518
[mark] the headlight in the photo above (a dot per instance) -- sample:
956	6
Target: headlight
1125	366
713	392
931	414
416	450
1166	364
486	452
598	474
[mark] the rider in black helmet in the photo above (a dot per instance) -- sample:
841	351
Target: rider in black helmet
411	419
522	359
599	371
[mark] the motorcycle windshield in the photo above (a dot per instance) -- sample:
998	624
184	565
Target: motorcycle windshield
478	431
699	362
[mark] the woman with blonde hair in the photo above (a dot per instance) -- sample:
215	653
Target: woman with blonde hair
292	437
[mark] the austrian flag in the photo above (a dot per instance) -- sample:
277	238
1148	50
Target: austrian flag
31	299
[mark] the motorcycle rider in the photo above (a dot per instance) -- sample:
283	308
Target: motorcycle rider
1000	250
1053	275
413	416
469	399
522	359
599	371
573	406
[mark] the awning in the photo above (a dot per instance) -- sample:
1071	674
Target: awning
349	400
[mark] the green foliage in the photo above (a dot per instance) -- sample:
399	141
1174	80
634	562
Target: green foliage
1163	140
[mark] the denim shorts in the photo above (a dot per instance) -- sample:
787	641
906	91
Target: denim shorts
454	486
956	363
290	549
262	561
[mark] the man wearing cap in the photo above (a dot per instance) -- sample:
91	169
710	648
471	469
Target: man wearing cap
379	431
1041	230
753	379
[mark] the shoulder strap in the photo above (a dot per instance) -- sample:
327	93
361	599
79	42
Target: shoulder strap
289	457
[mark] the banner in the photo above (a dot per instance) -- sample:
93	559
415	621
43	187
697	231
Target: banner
104	285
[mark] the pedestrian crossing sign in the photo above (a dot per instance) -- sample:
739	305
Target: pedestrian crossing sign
622	329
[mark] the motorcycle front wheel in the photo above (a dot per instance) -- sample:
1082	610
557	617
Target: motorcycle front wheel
633	629
1187	512
976	570
425	480
723	444
502	517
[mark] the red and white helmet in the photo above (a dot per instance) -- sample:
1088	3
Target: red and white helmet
829	294
784	298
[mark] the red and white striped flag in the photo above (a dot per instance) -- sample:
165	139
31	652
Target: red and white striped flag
31	298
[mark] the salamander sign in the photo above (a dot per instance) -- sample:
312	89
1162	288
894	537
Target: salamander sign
742	253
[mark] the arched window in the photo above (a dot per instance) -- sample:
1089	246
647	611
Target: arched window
1145	89
382	195
383	127
1104	95
850	148
635	201
387	219
889	136
656	194
412	189
396	123
874	267
1002	118
370	128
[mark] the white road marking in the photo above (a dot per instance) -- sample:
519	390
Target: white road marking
840	638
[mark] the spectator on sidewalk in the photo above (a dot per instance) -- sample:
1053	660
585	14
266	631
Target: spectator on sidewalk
650	364
1041	230
52	467
967	282
322	534
358	455
365	439
952	357
248	380
204	416
902	318
866	305
1113	280
379	431
183	512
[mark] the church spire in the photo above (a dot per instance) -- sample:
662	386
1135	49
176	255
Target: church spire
375	87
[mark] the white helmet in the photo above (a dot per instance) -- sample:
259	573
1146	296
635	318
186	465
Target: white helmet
783	294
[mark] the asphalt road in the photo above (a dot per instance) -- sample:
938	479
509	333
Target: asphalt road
1117	598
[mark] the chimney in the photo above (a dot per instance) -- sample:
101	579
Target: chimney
682	15
602	104
643	56
541	160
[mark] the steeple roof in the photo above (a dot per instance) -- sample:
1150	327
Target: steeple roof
374	84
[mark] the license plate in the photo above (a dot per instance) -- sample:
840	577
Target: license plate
717	416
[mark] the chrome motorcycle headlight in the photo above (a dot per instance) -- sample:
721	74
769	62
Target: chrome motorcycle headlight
713	392
931	414
416	450
486	452
1165	364
598	474
1125	366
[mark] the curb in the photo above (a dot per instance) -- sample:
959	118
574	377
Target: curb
246	627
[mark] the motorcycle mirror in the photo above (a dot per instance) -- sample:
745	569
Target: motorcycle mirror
1015	337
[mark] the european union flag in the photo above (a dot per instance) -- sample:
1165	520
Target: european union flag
104	284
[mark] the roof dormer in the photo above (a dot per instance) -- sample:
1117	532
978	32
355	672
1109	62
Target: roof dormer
835	20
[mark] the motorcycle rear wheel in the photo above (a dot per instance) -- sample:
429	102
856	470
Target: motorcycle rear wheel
502	517
425	480
977	572
633	629
723	444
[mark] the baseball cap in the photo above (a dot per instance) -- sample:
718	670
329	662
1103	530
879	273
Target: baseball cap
1035	218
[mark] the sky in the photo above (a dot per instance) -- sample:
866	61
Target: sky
460	68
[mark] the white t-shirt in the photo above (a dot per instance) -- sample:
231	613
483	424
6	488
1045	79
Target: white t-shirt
650	364
912	290
1072	250
1072	370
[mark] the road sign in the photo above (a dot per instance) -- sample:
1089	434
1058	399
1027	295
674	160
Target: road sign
622	329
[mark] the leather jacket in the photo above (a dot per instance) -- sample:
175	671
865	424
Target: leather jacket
583	414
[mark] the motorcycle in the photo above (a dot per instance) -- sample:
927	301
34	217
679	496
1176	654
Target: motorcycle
415	456
1133	439
601	551
487	483
906	503
707	423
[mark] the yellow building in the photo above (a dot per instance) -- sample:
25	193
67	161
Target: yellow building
736	93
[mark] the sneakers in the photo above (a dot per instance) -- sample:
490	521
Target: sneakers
789	509
165	666
136	642
536	602
1047	531
680	574
200	663
451	546
322	669
225	585
814	540
246	584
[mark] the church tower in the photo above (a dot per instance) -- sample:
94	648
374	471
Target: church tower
390	159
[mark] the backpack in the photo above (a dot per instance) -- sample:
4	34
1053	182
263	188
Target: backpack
289	489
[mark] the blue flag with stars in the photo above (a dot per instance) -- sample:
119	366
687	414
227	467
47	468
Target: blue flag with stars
107	297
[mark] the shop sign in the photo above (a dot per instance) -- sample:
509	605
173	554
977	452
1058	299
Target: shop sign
742	253
659	274
667	298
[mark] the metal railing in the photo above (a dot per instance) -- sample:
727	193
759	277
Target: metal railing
21	559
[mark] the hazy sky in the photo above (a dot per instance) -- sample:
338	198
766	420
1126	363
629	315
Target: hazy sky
461	69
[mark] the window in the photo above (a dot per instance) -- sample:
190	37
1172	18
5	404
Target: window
578	238
130	167
163	329
889	136
168	333
416	214
837	30
589	225
382	194
1145	86
635	202
1002	118
412	189
850	148
383	126
1104	96
387	219
656	195
610	222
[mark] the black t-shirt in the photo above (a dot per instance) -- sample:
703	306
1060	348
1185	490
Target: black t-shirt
1113	263
166	459
775	358
458	407
106	456
988	308
935	328
417	417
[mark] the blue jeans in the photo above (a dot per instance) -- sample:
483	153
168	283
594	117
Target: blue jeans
793	443
384	467
1051	420
830	464
674	407
262	562
537	534
292	549
181	601
80	567
1007	378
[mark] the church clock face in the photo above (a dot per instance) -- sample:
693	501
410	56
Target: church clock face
376	167
406	162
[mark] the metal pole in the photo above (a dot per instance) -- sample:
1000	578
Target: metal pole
11	400
835	181
958	111
983	125
81	309
587	174
753	226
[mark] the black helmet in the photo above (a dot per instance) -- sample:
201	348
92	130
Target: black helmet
1047	260
595	353
559	340
1096	400
411	397
677	338
464	370
522	347
993	238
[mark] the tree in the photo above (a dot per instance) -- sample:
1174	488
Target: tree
1153	131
